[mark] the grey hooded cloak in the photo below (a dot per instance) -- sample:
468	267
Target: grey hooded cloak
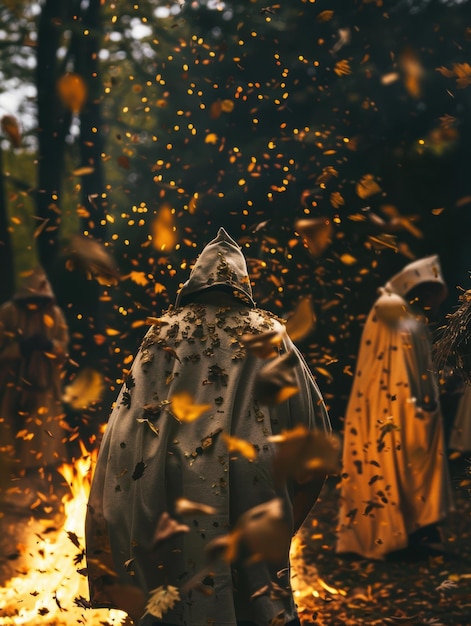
148	458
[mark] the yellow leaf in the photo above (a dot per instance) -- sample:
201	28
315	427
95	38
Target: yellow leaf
234	444
138	323
367	187
325	16
302	320
336	200
83	171
348	259
164	236
227	106
211	138
185	409
112	332
342	68
139	278
48	320
159	288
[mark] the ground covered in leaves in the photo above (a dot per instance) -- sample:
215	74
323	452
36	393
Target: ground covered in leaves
408	589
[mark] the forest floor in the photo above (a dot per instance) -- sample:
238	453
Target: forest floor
434	589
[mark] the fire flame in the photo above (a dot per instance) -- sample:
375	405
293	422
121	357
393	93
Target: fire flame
51	591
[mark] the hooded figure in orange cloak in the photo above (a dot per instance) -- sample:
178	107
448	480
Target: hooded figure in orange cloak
396	485
33	347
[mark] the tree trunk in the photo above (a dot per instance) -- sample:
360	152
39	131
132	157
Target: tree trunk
7	284
91	124
53	124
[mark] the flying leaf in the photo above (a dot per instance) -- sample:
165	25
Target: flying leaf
167	527
85	390
72	91
161	599
342	68
234	444
302	452
83	171
11	129
262	345
276	381
367	187
185	409
91	257
188	507
140	278
164	235
265	532
302	321
317	234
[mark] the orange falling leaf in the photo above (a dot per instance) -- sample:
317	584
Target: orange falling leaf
227	106
11	129
342	68
234	444
302	321
317	234
164	236
367	187
48	320
185	409
72	91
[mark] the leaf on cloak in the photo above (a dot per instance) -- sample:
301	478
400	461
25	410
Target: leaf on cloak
208	441
218	374
91	257
262	345
302	321
234	444
188	507
86	389
276	381
167	527
153	427
185	409
139	470
170	352
126	399
317	234
301	453
370	505
367	187
265	532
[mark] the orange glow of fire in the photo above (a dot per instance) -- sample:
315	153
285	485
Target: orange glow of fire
44	594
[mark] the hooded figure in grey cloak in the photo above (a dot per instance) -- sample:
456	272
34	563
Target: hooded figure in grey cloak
153	455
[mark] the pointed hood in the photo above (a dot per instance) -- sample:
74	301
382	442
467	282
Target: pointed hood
426	270
35	285
220	264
